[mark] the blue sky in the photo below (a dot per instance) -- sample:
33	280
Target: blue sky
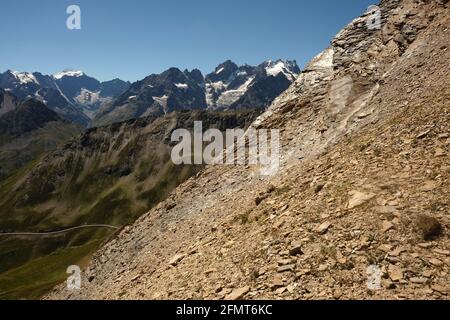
134	38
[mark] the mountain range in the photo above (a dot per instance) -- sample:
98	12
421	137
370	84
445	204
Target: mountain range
72	94
228	87
82	99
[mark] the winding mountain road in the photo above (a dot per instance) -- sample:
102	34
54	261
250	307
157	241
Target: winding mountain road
58	232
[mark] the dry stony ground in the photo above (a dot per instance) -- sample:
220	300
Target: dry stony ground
364	181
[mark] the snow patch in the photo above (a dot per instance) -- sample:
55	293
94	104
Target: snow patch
68	73
25	77
162	101
181	85
231	96
273	69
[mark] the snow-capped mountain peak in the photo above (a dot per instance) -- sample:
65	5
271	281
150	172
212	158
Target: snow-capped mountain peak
232	86
288	68
68	73
71	93
24	77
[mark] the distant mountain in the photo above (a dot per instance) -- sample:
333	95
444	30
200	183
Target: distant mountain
72	94
113	88
228	87
28	129
233	87
172	90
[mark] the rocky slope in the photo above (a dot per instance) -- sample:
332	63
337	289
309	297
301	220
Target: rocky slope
364	182
229	87
109	175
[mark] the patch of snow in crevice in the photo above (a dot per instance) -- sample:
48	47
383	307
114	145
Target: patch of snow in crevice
217	85
162	101
231	96
60	91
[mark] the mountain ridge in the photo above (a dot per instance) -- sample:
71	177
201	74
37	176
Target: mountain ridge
72	94
228	87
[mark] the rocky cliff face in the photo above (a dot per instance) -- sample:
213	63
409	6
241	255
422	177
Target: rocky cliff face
364	182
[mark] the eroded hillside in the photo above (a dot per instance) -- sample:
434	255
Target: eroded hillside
364	181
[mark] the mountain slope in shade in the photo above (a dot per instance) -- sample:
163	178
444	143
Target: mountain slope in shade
363	186
27	131
228	87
